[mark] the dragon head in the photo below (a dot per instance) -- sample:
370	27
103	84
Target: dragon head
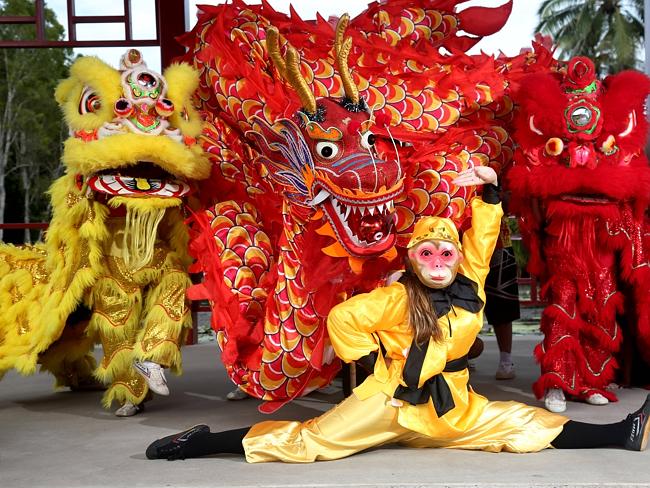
132	131
327	160
582	141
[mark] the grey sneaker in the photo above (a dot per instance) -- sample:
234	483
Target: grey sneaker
596	399
505	371
128	410
554	400
637	439
155	376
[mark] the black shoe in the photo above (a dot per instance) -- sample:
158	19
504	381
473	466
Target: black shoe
637	439
171	447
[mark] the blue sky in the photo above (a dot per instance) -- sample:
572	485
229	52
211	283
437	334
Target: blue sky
517	33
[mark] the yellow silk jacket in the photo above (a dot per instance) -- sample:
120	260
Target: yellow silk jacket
357	326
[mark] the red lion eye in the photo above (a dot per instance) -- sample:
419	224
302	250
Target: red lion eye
554	146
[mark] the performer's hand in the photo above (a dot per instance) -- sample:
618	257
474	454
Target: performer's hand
479	175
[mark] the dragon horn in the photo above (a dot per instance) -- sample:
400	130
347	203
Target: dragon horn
342	48
289	69
273	47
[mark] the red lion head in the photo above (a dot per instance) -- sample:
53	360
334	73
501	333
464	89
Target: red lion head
581	142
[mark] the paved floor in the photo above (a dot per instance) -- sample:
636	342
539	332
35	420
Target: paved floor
64	439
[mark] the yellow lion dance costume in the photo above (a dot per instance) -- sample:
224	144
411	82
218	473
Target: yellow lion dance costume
113	267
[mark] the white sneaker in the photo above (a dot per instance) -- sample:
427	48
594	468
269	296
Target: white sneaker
128	410
155	376
237	394
505	371
596	399
554	400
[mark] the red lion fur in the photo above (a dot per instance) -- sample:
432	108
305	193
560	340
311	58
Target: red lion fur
580	187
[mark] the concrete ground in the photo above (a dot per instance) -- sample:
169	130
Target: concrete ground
65	439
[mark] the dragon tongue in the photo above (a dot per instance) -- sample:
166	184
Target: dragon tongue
373	228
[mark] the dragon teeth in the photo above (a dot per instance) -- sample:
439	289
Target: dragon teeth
344	210
321	197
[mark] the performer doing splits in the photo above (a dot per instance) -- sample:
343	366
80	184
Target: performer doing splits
415	335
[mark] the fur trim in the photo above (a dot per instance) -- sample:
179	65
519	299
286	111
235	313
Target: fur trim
125	150
122	392
182	81
70	359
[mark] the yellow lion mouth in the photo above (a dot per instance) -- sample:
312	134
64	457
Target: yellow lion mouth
142	180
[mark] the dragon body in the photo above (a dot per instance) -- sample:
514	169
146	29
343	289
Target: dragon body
328	140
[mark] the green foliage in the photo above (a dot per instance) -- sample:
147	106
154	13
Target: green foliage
610	32
31	119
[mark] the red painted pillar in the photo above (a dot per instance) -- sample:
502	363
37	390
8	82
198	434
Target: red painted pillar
171	19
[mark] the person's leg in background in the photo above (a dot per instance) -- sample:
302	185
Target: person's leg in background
506	368
502	306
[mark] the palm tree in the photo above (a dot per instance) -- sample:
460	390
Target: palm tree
610	32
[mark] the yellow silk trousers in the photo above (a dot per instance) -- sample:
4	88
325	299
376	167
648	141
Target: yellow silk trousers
355	425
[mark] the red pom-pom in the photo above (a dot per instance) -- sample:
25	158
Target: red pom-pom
353	127
382	119
580	73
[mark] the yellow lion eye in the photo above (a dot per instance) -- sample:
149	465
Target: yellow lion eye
90	102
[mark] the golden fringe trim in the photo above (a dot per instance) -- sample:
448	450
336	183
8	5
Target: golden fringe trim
145	204
175	232
121	393
101	322
168	317
141	228
143	215
120	364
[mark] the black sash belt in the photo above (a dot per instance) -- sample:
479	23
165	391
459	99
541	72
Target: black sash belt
435	388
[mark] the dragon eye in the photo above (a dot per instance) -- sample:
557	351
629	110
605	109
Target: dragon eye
367	140
90	102
327	150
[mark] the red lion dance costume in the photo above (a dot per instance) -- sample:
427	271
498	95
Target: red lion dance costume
316	195
581	187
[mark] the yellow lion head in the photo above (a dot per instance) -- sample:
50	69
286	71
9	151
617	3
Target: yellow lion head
132	131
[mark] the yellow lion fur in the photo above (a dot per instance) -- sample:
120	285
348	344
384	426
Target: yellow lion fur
42	285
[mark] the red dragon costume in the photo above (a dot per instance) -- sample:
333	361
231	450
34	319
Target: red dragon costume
328	140
580	186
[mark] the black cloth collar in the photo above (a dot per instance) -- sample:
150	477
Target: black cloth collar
462	293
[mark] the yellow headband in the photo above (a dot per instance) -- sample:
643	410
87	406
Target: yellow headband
435	228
